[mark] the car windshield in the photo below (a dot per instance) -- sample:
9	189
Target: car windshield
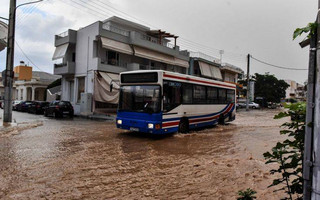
144	98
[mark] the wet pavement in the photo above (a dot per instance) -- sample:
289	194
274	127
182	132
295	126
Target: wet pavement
45	158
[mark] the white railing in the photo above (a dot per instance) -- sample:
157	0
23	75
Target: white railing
156	41
115	30
64	34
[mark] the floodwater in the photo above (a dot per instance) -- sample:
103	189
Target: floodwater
83	159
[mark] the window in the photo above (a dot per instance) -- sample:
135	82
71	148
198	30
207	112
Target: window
222	95
212	95
199	94
113	58
171	95
186	93
230	96
144	98
80	88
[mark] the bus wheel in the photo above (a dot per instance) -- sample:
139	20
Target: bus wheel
184	126
221	120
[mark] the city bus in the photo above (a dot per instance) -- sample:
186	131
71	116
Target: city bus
160	102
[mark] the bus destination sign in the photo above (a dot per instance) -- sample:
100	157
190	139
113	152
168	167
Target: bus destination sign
151	77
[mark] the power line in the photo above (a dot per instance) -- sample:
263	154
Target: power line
27	56
277	66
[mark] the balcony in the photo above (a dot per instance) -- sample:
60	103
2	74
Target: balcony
64	68
69	36
152	43
112	65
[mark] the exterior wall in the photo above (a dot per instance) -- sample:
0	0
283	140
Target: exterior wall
291	90
229	77
25	72
85	60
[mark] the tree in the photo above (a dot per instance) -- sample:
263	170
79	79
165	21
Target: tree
269	87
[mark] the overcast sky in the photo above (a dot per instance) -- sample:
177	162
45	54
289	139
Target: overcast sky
262	28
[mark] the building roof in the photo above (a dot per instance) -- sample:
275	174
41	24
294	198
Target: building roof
44	76
232	68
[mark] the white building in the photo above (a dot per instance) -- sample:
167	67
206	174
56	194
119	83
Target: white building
91	58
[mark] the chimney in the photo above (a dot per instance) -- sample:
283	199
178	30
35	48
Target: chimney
22	63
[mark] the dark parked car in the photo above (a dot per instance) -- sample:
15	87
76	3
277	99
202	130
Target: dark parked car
59	109
15	103
37	107
23	106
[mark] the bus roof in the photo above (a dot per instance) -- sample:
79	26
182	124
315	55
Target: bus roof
185	77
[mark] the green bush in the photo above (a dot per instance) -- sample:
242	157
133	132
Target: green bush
289	153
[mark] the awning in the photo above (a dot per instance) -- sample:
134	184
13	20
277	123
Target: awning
153	55
116	46
210	71
102	92
216	73
60	51
181	63
205	69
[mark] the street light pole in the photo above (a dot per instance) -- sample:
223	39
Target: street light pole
8	79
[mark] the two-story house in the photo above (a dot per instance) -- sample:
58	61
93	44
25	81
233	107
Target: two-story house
91	58
210	67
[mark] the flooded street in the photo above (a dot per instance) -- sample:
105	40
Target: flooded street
82	159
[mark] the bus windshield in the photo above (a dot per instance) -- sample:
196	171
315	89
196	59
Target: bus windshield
140	98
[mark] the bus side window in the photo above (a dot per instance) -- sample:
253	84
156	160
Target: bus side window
230	96
212	95
222	96
171	95
186	93
199	94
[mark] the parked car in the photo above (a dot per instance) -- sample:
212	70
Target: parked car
15	103
241	105
59	109
23	106
37	107
254	105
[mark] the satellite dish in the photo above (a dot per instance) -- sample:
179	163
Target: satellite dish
3	35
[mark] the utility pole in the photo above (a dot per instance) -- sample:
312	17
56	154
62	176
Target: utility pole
248	82
315	189
8	79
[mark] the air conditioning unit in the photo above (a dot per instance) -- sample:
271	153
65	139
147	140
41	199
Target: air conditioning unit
86	104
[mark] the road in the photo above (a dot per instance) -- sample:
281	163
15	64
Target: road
45	158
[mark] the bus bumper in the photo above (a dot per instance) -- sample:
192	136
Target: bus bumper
153	127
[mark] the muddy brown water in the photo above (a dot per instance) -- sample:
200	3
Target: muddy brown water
83	159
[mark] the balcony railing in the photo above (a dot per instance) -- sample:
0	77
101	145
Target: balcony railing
114	62
60	65
64	34
156	41
115	30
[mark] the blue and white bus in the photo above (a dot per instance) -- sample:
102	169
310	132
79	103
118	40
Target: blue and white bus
159	102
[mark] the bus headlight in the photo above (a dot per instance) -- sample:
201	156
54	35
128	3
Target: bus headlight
119	121
150	126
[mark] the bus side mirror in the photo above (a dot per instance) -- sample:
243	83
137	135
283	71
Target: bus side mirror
111	87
